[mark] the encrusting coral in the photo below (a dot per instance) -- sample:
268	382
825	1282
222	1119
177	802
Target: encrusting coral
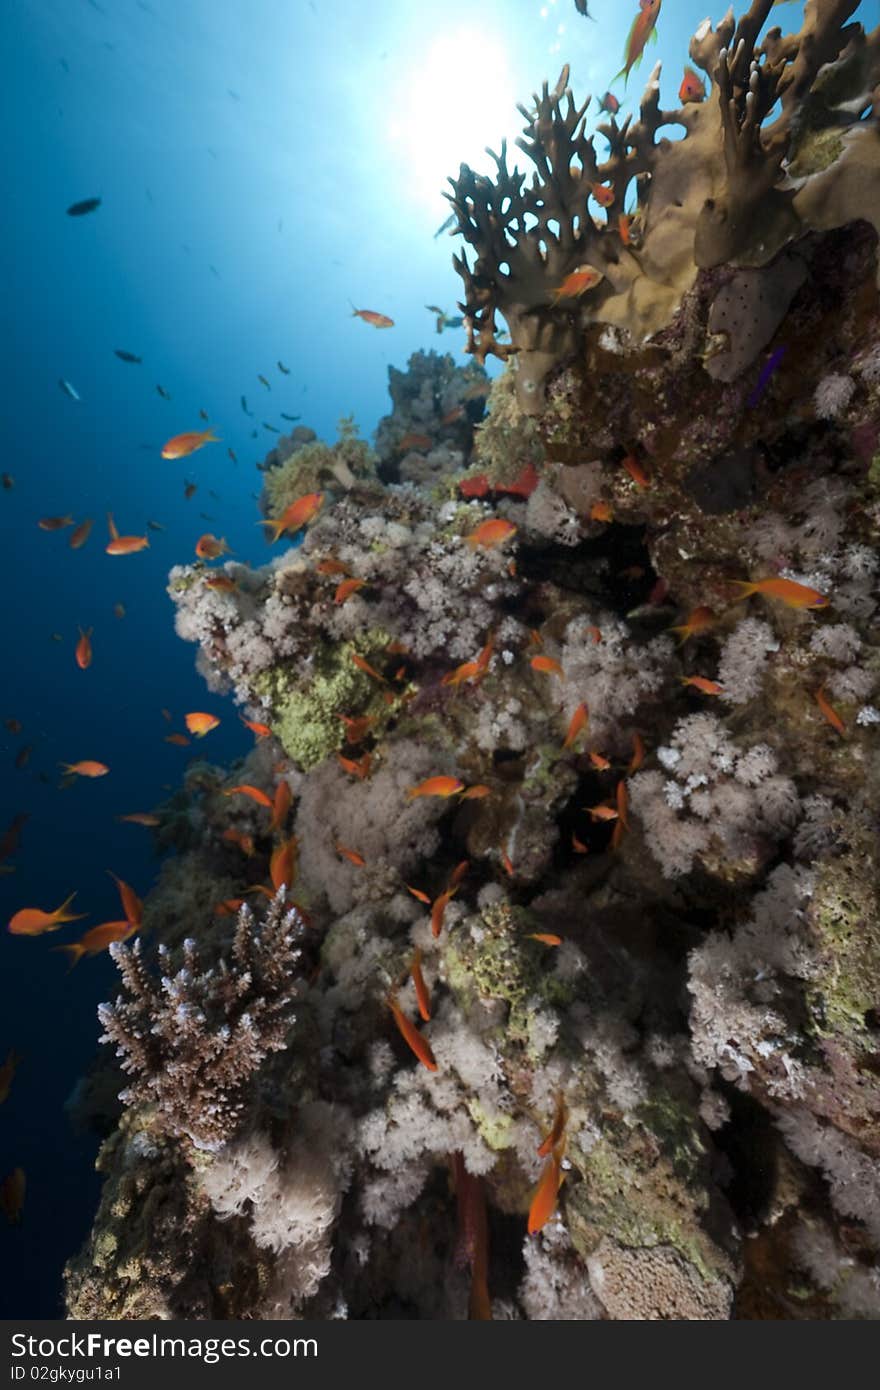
591	1031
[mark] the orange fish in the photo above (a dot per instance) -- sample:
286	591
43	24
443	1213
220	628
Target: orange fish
32	921
436	786
296	516
644	25
546	1193
508	863
86	768
600	763
420	442
183	444
112	528
546	938
237	837
468	671
367	669
281	805
131	903
370	316
14	726
578	282
636	471
180	740
595	633
829	713
84	649
356	767
601	511
223	583
438	910
356	729
228	907
12	1191
245	789
603	194
453	416
638	754
423	996
701	683
417	893
491	533
696	622
141	818
7	1072
166	715
209	547
330	566
55	523
198	723
548	666
352	856
578	722
557	1129
578	845
347	588
411	1035
189	489
624	227
119	610
97	939
258	730
127	545
622	804
282	865
601	812
458	873
792	594
476	793
79	537
692	88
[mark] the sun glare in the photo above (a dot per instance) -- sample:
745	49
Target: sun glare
446	116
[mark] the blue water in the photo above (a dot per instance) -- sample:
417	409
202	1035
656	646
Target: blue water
300	150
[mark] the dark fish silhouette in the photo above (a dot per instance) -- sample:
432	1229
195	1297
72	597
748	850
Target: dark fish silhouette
244	406
282	368
290	417
163	393
127	356
271	428
81	208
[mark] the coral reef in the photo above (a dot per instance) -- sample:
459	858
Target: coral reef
631	946
741	183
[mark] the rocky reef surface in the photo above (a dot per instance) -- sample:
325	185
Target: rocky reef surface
643	921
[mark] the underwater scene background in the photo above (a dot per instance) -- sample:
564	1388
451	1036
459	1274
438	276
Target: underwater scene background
655	988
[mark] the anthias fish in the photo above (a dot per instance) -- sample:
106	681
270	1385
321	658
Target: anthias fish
125	356
181	445
643	28
372	317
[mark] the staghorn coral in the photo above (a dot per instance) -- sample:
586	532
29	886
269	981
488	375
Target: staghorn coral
194	1040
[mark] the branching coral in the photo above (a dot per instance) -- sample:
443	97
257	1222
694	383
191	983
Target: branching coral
193	1041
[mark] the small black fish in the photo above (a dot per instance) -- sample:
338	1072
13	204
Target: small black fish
244	406
290	417
261	378
234	95
232	455
214	271
206	516
215	495
155	526
162	392
204	415
64	63
255	434
8	482
582	7
444	226
127	356
23	756
80	209
271	428
282	368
